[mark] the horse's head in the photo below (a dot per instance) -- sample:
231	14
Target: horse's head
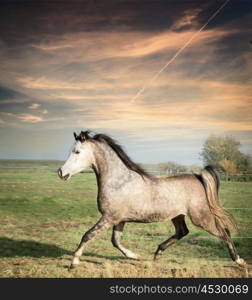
80	158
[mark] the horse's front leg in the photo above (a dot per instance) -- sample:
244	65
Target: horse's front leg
116	235
101	225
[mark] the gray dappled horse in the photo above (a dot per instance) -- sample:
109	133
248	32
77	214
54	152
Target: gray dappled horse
126	193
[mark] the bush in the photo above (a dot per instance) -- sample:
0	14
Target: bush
237	178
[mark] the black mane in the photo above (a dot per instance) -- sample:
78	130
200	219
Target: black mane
118	150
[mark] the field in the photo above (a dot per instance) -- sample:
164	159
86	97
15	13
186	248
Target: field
43	218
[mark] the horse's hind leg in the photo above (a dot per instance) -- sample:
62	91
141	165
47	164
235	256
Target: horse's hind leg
116	235
232	250
181	231
208	224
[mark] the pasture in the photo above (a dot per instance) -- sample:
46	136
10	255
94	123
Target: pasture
42	219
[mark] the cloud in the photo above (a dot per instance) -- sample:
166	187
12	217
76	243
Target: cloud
44	83
29	118
52	47
99	97
24	117
189	18
180	102
208	113
34	106
124	44
127	61
81	67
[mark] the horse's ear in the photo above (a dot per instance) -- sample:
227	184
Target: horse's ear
84	136
75	136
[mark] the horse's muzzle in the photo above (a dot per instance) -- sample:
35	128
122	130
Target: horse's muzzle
61	175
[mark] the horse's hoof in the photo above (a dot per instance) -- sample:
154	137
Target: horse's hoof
241	262
157	253
72	266
137	257
132	255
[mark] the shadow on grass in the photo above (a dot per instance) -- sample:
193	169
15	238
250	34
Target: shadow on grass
105	256
217	247
14	248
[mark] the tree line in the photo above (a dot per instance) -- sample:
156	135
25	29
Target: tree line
224	152
220	151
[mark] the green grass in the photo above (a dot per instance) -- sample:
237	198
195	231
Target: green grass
43	218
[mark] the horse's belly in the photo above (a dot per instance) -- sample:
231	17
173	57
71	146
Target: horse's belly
144	205
155	211
153	217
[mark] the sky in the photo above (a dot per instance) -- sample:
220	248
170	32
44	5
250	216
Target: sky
75	65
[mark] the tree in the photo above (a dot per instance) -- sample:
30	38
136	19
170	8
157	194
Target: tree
244	162
224	151
171	167
228	166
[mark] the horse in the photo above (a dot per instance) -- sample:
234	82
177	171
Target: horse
127	193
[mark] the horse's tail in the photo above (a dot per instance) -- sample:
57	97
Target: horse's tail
225	223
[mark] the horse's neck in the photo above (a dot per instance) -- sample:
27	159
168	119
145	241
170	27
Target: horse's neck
108	166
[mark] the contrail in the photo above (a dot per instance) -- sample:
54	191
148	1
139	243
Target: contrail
178	52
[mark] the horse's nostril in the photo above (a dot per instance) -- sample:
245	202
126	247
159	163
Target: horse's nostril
60	172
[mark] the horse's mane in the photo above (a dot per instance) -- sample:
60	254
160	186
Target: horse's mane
100	137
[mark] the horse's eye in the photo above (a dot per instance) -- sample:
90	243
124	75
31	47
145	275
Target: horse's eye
77	152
